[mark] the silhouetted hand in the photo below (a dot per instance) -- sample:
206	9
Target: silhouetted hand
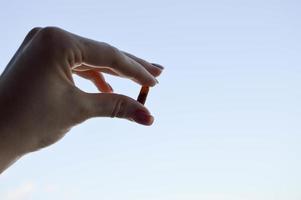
39	102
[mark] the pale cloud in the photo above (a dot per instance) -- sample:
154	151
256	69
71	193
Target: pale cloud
23	192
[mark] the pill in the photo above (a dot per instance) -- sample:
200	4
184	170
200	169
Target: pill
143	94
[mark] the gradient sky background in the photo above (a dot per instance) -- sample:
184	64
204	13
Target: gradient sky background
227	109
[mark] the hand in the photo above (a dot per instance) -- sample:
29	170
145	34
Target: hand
39	102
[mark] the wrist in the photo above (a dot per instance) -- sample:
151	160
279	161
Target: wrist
9	150
10	147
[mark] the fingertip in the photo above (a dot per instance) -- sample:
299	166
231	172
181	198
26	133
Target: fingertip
143	117
155	82
154	70
152	84
158	66
110	89
157	69
151	121
150	81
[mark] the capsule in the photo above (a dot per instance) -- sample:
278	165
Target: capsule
143	94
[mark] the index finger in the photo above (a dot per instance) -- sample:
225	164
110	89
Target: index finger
102	55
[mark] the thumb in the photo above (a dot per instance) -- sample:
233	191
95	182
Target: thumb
116	105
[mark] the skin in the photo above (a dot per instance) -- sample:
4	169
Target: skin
39	102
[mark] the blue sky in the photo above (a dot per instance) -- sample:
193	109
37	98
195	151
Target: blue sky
227	109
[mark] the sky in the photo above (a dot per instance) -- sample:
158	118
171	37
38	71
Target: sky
227	108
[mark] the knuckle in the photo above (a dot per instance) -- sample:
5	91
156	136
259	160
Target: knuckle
52	37
120	107
113	53
54	41
33	31
50	32
106	46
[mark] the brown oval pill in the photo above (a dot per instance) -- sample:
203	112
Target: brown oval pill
143	94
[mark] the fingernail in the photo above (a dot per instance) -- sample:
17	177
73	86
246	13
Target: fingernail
156	81
159	66
110	87
142	117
